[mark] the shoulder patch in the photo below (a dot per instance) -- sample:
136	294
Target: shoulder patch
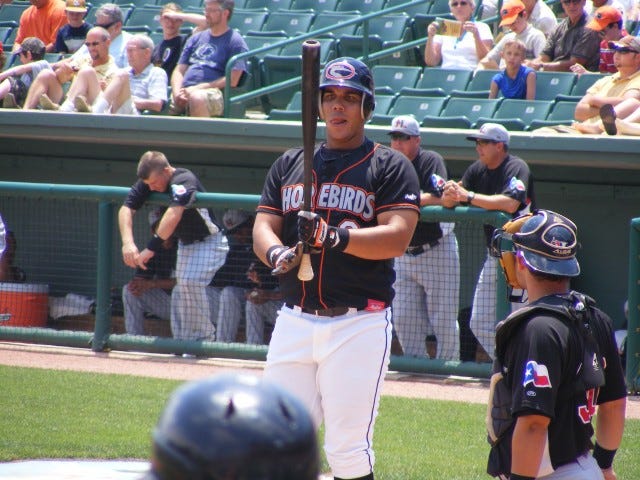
537	374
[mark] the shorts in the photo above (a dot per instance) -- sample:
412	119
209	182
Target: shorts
215	104
128	108
18	89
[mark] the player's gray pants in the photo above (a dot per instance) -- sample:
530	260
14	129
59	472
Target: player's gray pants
257	315
155	301
192	308
336	366
427	288
584	468
231	311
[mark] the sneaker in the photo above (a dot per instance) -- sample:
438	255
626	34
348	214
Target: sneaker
9	101
81	104
47	104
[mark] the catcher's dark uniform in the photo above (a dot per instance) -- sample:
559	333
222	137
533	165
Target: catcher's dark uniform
546	372
335	359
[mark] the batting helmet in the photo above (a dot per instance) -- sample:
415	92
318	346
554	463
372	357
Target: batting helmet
234	427
350	73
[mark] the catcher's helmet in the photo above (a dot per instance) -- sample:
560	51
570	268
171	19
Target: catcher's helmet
351	73
234	427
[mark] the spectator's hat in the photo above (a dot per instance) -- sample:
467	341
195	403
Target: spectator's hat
406	124
76	6
603	17
510	11
626	44
234	219
493	132
155	215
33	45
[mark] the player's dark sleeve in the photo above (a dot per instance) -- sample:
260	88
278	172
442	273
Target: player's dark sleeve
137	195
615	386
397	184
516	178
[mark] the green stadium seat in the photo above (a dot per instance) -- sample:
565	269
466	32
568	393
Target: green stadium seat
148	17
518	114
363	6
470	108
287	23
436	81
293	112
330	19
327	49
551	84
419	107
562	113
276	69
460	122
248	20
271	5
439	7
478	86
384	32
315	5
10	13
390	79
584	82
419	8
5	33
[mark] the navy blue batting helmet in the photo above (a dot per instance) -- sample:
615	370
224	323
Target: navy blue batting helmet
350	73
234	427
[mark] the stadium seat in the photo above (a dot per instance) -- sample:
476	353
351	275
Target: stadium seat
551	84
276	69
421	21
315	5
419	107
363	6
10	13
330	19
255	42
384	103
148	17
518	114
271	5
584	81
562	113
478	86
413	10
5	33
384	32
390	79
287	23
432	121
327	49
439	7
470	109
436	81
245	20
293	112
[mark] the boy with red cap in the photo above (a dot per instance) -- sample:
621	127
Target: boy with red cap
608	22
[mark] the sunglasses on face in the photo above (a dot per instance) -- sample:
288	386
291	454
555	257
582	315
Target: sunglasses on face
107	26
459	4
624	50
400	137
92	44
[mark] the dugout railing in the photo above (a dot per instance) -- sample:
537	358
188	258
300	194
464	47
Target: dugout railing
68	239
632	346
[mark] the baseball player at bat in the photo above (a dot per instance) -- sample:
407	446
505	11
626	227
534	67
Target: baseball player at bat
331	343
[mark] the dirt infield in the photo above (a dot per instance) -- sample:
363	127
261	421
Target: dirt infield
178	368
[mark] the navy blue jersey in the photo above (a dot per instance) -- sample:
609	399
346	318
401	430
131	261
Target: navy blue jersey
350	188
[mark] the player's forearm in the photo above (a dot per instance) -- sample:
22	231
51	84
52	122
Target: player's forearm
388	240
125	223
610	423
153	104
169	222
495	202
528	444
266	235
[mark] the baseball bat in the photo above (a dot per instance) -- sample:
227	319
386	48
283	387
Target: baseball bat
310	86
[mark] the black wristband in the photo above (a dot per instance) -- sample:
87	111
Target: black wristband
603	456
155	244
270	253
515	476
337	239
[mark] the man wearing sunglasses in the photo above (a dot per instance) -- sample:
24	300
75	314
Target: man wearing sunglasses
570	43
498	180
428	274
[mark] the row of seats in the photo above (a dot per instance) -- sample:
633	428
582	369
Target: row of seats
454	112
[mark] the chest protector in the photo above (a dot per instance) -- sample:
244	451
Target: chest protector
576	311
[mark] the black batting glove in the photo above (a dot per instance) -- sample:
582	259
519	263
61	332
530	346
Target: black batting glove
282	259
315	232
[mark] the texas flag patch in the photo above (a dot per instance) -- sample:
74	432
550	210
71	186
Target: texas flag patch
516	185
536	374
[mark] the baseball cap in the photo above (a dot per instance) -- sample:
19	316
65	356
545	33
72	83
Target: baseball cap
626	44
406	124
155	215
491	131
234	218
510	11
31	44
548	242
604	16
76	6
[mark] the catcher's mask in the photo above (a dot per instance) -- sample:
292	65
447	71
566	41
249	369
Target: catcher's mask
545	240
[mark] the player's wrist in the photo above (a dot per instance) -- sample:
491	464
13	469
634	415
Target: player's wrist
603	456
155	244
470	197
272	254
337	239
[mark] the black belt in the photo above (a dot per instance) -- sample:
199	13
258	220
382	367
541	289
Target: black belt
324	312
419	249
194	240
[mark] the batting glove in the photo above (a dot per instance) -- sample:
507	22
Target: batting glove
315	232
283	259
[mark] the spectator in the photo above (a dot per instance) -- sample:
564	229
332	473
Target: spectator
592	7
198	80
621	89
167	52
202	248
109	16
516	80
71	36
570	43
149	291
428	274
15	82
497	181
231	279
263	302
42	19
95	71
515	18
541	16
139	87
463	50
607	21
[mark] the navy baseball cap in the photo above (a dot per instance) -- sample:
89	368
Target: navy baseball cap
548	243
